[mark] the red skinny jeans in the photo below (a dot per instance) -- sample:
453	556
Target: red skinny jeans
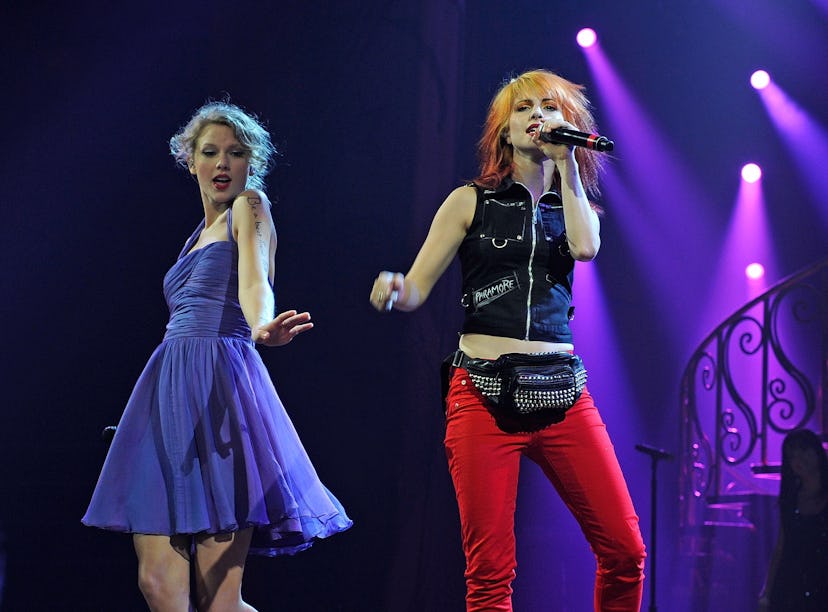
578	458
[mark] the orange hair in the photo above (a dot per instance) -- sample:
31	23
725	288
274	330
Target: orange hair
496	154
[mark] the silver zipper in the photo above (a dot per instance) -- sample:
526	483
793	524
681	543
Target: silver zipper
531	277
531	257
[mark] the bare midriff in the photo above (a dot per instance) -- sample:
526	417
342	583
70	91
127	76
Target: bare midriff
482	346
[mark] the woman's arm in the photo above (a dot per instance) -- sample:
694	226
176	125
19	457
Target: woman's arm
254	232
581	221
583	229
449	227
764	595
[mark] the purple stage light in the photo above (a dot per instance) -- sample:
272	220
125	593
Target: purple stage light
586	37
760	79
751	173
638	184
755	271
748	240
806	139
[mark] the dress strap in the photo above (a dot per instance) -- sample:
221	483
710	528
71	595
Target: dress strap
193	237
230	224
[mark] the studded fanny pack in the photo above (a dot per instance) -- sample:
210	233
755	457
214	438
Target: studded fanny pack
533	384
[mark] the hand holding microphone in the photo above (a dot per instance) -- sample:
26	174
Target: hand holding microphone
574	138
386	290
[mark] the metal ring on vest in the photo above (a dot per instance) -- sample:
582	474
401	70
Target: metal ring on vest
494	243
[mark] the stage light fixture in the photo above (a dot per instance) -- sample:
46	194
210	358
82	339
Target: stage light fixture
755	271
751	173
760	79
586	37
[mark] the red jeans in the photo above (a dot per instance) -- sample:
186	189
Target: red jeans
578	458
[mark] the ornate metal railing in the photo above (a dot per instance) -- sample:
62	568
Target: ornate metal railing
760	374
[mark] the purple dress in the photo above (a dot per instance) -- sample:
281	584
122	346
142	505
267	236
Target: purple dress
204	444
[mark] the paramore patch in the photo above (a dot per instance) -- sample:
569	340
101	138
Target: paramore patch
497	289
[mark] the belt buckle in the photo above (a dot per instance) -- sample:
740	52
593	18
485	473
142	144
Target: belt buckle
457	360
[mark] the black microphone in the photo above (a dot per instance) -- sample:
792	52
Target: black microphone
578	139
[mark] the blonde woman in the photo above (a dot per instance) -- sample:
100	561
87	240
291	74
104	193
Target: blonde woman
205	466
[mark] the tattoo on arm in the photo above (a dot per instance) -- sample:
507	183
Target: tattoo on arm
254	203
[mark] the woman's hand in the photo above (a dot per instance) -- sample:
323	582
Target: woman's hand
553	151
284	328
407	292
386	290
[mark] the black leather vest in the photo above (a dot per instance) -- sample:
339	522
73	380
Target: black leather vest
517	270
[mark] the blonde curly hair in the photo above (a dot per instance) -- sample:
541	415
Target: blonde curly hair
250	132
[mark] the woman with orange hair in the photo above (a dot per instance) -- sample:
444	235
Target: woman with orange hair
515	386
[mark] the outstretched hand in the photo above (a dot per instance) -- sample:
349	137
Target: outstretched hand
284	328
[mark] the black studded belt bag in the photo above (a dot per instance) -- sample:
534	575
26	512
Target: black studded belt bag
525	384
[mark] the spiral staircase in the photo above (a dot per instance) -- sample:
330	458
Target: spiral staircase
760	374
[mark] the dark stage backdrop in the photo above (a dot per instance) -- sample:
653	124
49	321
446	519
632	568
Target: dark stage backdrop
376	107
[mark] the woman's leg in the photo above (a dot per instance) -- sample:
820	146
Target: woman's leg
164	571
579	458
484	462
219	566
